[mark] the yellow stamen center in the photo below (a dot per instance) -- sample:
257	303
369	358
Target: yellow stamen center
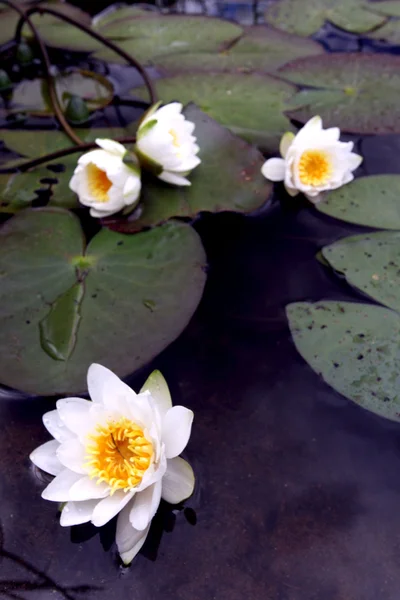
315	167
98	183
175	139
119	454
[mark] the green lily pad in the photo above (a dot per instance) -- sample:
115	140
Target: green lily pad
34	143
31	95
306	17
122	13
139	293
149	37
388	8
355	348
371	201
8	23
249	105
360	91
390	32
238	186
370	263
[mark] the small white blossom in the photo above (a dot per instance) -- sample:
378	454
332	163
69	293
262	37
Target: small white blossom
104	182
313	162
165	140
117	454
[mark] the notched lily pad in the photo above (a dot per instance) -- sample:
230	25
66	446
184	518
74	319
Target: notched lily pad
370	263
139	293
355	348
357	91
249	105
228	178
371	201
306	17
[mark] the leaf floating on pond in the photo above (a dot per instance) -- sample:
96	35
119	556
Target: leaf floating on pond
388	8
371	201
355	348
41	250
357	91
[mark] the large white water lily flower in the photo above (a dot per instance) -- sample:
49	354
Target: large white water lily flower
104	182
165	143
117	454
313	161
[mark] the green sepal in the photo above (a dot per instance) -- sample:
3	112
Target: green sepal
77	111
149	112
131	160
148	163
144	129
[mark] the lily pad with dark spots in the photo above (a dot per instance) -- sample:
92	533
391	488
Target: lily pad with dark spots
355	348
64	304
358	92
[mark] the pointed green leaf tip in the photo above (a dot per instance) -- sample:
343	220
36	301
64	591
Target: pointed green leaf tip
131	160
144	129
158	388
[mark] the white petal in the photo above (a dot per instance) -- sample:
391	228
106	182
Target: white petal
167	111
54	425
109	507
102	214
45	458
111	146
354	161
108	389
177	426
286	142
291	191
73	412
178	481
75	513
311	128
173	178
159	390
274	169
87	489
129	540
58	489
315	198
145	506
72	455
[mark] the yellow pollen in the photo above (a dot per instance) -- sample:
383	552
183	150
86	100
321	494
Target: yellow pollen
175	139
119	454
98	183
315	167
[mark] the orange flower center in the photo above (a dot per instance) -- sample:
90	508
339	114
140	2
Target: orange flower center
98	183
315	167
119	454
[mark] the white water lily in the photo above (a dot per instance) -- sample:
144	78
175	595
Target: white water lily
104	182
313	162
117	454
165	142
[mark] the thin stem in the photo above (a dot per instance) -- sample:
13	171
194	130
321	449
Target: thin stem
47	68
65	152
97	36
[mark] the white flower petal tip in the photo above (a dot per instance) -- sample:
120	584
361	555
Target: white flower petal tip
102	178
314	161
165	138
117	454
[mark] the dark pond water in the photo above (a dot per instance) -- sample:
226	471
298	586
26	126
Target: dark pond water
298	489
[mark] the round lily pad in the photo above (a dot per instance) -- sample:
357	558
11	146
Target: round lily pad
370	263
306	17
119	301
359	92
355	348
122	12
372	201
388	8
228	178
249	105
31	95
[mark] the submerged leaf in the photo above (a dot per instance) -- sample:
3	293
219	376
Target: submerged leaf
139	293
355	348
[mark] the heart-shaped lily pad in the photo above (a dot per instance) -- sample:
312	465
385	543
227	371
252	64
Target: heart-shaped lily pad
388	8
306	17
119	301
371	201
228	178
355	348
148	37
370	263
249	105
31	95
360	91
